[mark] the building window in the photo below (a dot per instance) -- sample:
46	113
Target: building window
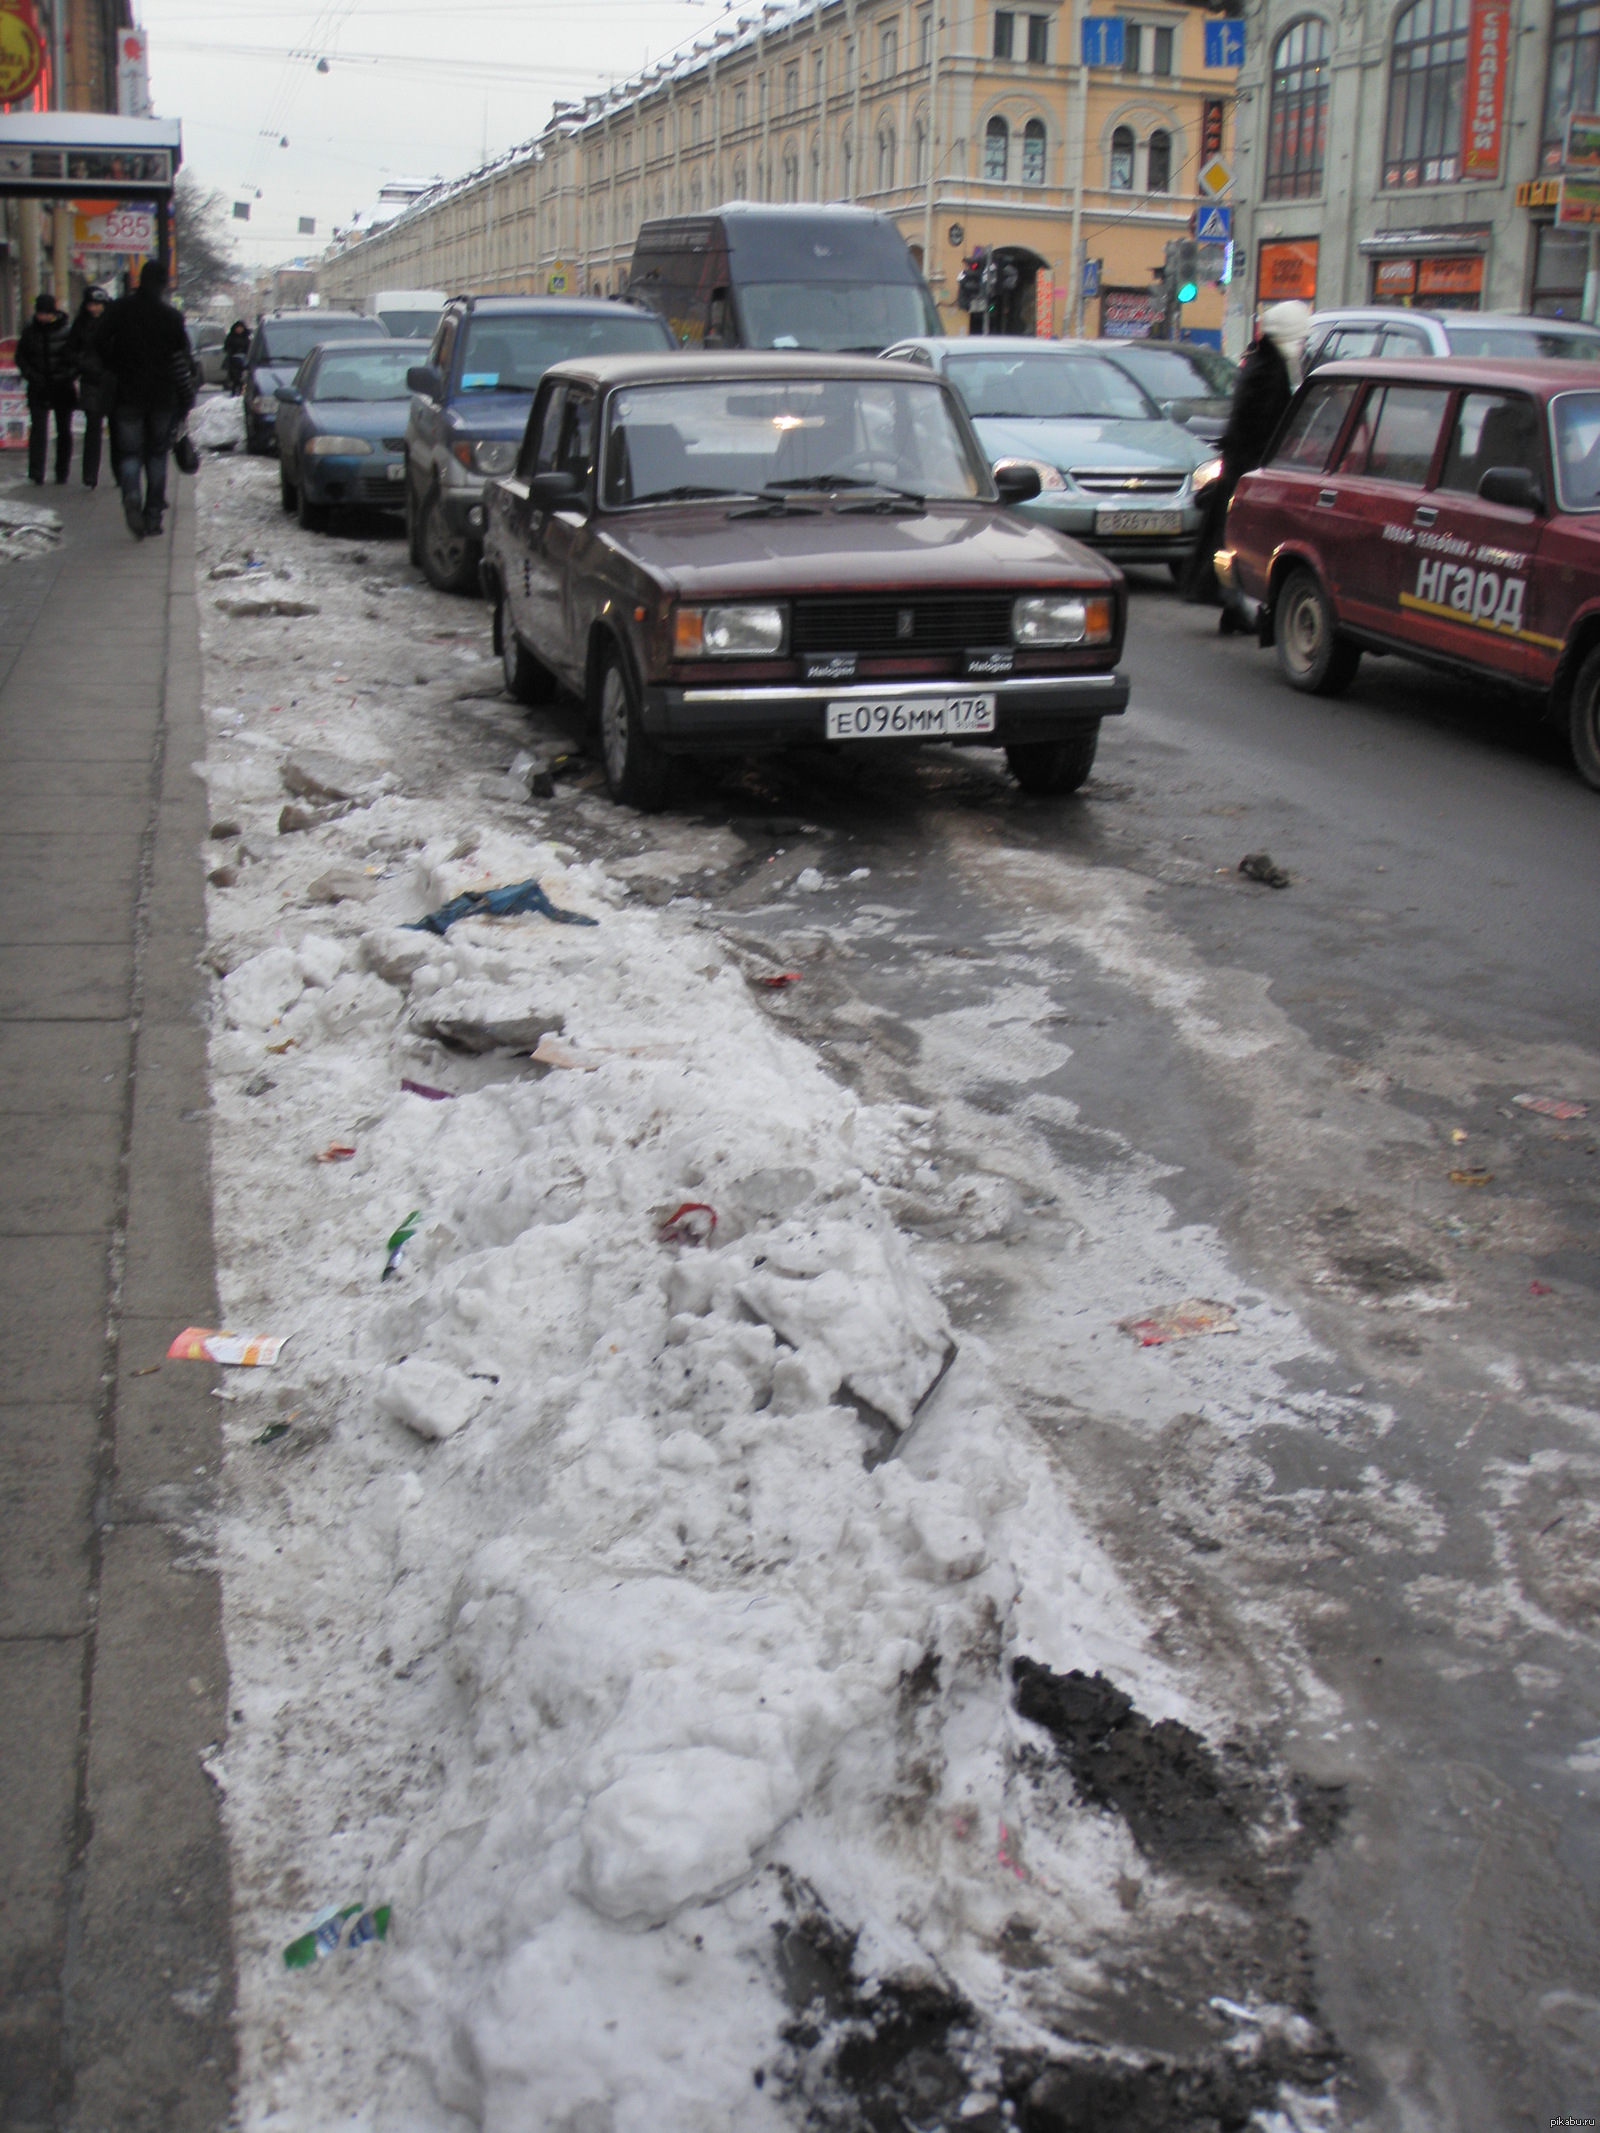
885	158
997	149
1159	164
888	52
1122	160
694	124
1005	24
1163	59
816	171
697	198
1573	81
847	163
849	63
1427	71
925	38
791	173
739	107
1132	48
919	151
816	77
1038	40
1297	117
1033	152
661	137
791	86
741	184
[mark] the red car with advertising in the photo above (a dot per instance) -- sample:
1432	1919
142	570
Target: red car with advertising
1448	510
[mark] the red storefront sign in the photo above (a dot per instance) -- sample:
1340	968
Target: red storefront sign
1483	119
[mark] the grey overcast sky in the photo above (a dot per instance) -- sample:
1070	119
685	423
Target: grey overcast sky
413	88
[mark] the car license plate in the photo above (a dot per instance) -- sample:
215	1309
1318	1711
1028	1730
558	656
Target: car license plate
1138	522
917	718
397	472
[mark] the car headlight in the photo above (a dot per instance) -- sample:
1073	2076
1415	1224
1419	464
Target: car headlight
489	455
727	632
1208	471
1049	477
337	447
1040	619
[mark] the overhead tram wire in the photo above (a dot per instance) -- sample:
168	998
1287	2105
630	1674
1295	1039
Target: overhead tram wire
481	69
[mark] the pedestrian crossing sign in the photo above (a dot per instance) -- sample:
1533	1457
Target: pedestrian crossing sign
1214	225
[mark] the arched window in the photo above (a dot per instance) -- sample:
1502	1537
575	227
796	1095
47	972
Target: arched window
816	170
791	172
1297	116
885	158
847	163
1426	75
1158	166
696	194
1122	160
997	149
1033	152
919	151
741	184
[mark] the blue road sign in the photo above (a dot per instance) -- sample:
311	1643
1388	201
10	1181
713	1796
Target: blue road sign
1091	277
1214	225
1102	40
1224	44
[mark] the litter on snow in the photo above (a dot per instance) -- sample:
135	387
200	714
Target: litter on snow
1552	1106
200	1344
336	1152
1472	1177
348	1926
511	901
398	1242
1180	1321
551	1052
1540	1288
682	1226
271	1434
1262	867
782	978
423	1088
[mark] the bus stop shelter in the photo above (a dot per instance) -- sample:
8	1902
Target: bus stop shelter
94	156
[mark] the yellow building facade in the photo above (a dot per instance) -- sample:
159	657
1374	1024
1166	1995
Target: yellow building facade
976	127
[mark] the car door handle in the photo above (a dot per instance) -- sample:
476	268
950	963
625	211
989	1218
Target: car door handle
1327	500
1424	515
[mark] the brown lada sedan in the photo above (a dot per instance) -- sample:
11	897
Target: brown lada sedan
751	552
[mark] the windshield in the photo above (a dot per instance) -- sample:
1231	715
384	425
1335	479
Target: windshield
511	354
1048	388
367	373
736	438
1177	373
833	316
1577	426
286	340
410	325
1513	343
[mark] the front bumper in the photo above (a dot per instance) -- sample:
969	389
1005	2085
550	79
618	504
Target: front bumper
355	481
1030	707
1075	517
462	506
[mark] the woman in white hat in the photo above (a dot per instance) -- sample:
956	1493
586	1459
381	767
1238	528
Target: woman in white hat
1266	383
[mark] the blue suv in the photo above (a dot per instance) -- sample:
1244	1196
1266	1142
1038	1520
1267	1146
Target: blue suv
471	403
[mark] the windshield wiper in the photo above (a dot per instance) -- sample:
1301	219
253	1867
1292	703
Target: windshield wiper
884	496
684	492
772	503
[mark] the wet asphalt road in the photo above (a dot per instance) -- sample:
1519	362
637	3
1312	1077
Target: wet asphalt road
1425	1549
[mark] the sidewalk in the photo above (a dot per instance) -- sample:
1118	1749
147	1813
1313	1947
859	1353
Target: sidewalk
116	1976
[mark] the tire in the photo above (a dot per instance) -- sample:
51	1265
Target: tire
287	495
1046	767
413	544
636	769
1312	655
254	443
1584	730
314	517
1177	565
449	560
526	679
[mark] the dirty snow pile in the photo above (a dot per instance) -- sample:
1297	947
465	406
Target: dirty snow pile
606	1587
26	529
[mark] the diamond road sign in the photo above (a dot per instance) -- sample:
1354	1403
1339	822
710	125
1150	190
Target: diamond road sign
1215	178
1214	225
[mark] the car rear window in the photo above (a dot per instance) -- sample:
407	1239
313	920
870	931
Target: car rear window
507	354
366	373
1174	373
1516	343
286	340
1314	426
1396	434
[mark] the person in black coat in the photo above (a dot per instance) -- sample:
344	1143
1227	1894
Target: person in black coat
89	374
235	349
45	361
1266	382
142	343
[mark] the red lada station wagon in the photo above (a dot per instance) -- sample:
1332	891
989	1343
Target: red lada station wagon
1449	510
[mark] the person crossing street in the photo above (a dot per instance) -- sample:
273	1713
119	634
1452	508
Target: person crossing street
142	343
44	357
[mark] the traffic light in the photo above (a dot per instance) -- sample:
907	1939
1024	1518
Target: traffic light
1186	270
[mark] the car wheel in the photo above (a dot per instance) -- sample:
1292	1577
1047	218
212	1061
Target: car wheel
314	517
286	488
636	769
526	679
449	560
1053	766
413	543
1177	565
1585	728
1312	655
254	442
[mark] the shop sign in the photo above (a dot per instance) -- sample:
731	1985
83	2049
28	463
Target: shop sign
1487	44
106	226
1131	314
1393	279
1580	201
1582	153
1285	270
22	51
1539	192
1458	276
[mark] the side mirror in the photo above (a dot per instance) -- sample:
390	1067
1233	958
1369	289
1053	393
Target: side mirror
423	378
549	492
292	395
1017	482
1511	485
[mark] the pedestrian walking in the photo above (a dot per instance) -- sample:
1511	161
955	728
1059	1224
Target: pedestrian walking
235	350
90	379
1266	383
45	361
142	343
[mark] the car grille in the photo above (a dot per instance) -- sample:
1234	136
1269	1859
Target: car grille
1116	481
378	489
884	624
394	444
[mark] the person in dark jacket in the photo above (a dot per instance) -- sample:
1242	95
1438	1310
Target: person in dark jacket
45	361
89	375
142	343
235	350
1266	382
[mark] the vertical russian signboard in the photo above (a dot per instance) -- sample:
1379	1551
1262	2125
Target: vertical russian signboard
1483	119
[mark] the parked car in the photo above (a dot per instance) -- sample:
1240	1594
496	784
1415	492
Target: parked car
1387	330
753	275
342	428
470	407
1446	509
207	339
1113	471
1191	386
756	552
281	342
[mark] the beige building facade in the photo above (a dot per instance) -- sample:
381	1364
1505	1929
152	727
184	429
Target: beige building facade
973	126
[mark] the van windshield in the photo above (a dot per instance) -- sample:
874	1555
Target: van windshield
834	317
508	354
410	325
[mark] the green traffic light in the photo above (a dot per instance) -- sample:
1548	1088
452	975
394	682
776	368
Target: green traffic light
1187	293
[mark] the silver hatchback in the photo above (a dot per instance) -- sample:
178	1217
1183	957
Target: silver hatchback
1391	330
